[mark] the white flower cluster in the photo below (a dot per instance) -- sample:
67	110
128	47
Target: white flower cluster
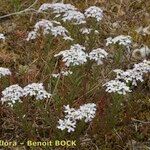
2	37
32	35
15	92
69	13
121	40
79	18
62	73
61	31
48	27
86	112
12	94
77	56
129	76
75	16
56	7
37	90
134	75
74	56
97	55
85	30
4	72
116	86
94	12
44	24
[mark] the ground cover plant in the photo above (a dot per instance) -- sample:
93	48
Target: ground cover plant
75	70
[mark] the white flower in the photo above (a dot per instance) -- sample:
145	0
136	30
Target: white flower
109	41
4	72
57	7
2	37
55	75
134	75
60	31
116	86
63	73
66	73
94	12
68	38
43	24
31	36
130	75
85	30
12	94
37	90
46	25
47	28
74	56
77	56
121	40
68	124
69	111
97	55
143	67
75	16
86	112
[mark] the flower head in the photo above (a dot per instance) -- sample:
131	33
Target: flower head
2	37
119	85
134	75
97	55
116	86
62	73
121	40
12	94
37	90
32	35
74	16
57	7
68	124
85	30
94	12
60	31
86	112
4	72
44	24
74	56
48	27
